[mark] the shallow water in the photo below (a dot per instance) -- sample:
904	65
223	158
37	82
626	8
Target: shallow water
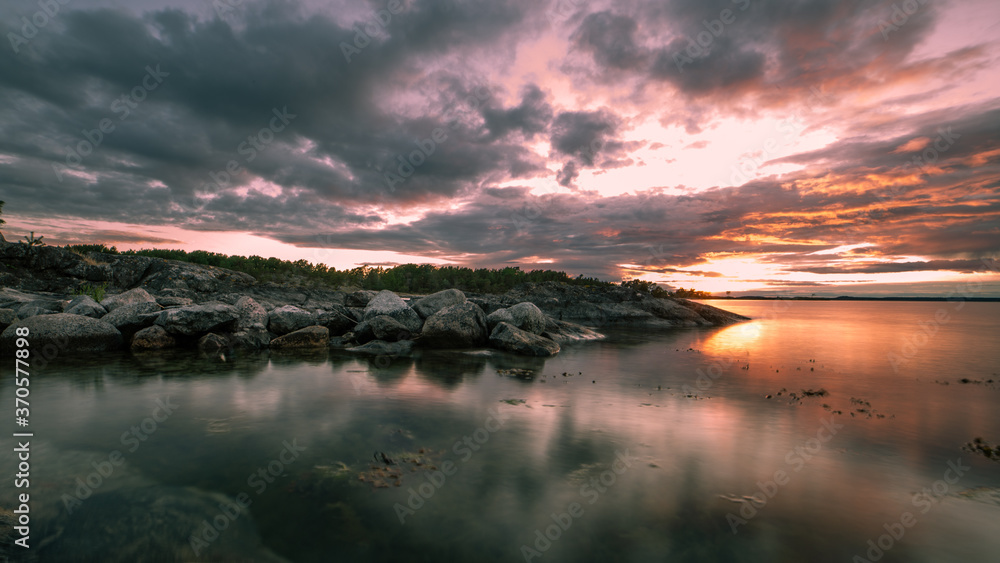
676	424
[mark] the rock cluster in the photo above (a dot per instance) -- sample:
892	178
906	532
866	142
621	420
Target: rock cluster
154	304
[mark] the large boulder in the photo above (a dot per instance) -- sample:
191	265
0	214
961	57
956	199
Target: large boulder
401	348
389	304
130	319
388	328
359	298
152	338
289	318
130	297
512	339
458	326
527	316
69	334
361	333
339	320
86	306
198	319
434	302
309	337
250	313
499	316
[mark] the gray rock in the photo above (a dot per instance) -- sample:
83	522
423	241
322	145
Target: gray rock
7	318
339	342
212	344
402	348
172	301
289	318
359	298
564	332
497	317
68	333
389	304
35	308
512	339
339	320
152	338
434	302
361	333
130	319
309	337
527	316
198	319
388	328
458	326
130	297
86	306
250	313
253	337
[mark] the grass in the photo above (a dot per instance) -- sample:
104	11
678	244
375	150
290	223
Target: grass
96	292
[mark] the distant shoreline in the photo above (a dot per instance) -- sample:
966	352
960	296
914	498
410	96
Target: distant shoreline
849	298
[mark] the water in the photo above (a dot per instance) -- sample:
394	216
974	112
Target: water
678	425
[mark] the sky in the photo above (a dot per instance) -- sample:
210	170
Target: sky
752	146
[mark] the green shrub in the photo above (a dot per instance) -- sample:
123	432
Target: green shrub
94	291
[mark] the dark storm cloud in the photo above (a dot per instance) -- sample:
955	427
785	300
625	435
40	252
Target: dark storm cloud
741	52
589	139
218	83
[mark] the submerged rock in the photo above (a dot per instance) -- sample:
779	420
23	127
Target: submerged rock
155	523
309	337
382	348
153	338
512	339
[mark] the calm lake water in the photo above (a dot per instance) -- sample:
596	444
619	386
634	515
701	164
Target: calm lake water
655	446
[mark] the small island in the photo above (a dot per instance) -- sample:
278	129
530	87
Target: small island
98	300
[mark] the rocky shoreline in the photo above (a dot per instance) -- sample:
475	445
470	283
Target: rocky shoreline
156	304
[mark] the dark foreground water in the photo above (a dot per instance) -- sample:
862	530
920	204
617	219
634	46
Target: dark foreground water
644	447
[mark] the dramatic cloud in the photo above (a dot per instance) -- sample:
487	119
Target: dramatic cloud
714	142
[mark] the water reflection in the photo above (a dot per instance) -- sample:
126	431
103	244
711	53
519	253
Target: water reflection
525	448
